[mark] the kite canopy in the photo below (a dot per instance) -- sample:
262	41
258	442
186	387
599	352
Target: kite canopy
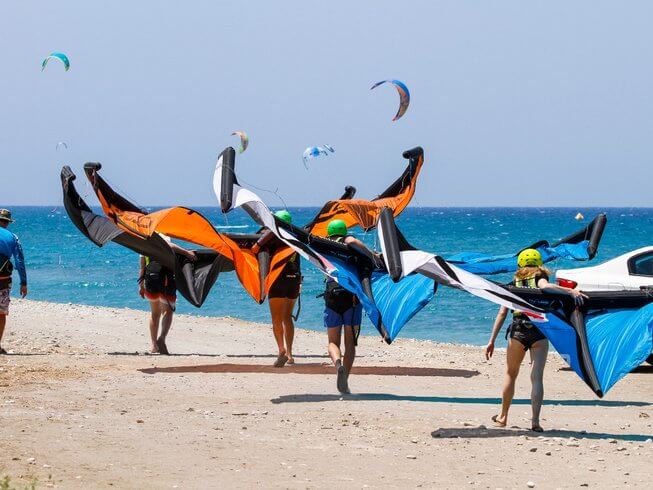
602	341
193	279
582	245
316	151
389	302
244	140
365	213
56	56
404	96
256	272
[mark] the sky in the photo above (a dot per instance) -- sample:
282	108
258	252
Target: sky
515	103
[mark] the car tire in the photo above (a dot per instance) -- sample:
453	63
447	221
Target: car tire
650	359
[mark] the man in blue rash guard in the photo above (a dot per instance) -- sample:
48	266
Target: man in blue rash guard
9	247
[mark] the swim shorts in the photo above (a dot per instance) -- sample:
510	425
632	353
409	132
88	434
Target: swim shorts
4	301
525	332
161	287
352	317
286	286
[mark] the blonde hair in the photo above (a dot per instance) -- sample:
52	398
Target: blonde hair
530	271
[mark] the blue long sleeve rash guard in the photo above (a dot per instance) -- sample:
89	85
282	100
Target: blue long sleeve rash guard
10	247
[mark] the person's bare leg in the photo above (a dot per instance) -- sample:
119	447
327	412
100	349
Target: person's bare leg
155	317
350	349
288	327
3	322
539	351
166	322
514	356
276	313
336	356
334	345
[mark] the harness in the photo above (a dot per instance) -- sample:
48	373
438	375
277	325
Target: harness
338	299
519	319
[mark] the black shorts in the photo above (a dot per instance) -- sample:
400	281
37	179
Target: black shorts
286	287
525	332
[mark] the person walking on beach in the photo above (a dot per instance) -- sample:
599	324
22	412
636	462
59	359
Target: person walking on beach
283	293
9	247
342	311
157	284
525	336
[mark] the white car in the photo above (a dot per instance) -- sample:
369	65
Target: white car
630	271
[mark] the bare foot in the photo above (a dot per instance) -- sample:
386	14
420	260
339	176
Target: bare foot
163	348
281	361
499	422
291	360
154	349
536	427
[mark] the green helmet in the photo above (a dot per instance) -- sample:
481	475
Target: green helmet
284	216
529	258
336	227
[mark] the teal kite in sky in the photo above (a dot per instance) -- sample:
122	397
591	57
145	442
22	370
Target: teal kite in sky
56	56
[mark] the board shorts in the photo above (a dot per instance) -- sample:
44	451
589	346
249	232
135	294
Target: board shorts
162	289
4	301
525	332
286	286
352	317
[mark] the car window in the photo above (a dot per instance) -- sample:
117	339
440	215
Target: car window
642	265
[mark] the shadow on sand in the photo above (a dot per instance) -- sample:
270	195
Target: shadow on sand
316	398
485	433
146	354
274	356
24	354
313	368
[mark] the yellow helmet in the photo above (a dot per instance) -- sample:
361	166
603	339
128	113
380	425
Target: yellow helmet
529	258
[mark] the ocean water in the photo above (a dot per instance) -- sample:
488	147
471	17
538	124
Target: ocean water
63	266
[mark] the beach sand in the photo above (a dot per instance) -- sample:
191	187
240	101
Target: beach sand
82	406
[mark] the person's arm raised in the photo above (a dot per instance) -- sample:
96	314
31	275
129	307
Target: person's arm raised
578	296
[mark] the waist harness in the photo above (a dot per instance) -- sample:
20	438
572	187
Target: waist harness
155	275
336	297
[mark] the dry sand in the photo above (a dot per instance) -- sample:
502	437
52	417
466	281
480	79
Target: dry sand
82	406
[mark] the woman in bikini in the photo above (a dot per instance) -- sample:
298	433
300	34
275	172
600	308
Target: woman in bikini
524	336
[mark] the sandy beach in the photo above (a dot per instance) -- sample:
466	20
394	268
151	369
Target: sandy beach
83	406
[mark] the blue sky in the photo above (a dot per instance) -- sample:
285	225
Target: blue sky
514	103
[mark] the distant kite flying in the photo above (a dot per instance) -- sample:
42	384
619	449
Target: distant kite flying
404	96
244	140
56	56
316	151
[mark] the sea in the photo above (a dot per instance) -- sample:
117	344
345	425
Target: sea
64	267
